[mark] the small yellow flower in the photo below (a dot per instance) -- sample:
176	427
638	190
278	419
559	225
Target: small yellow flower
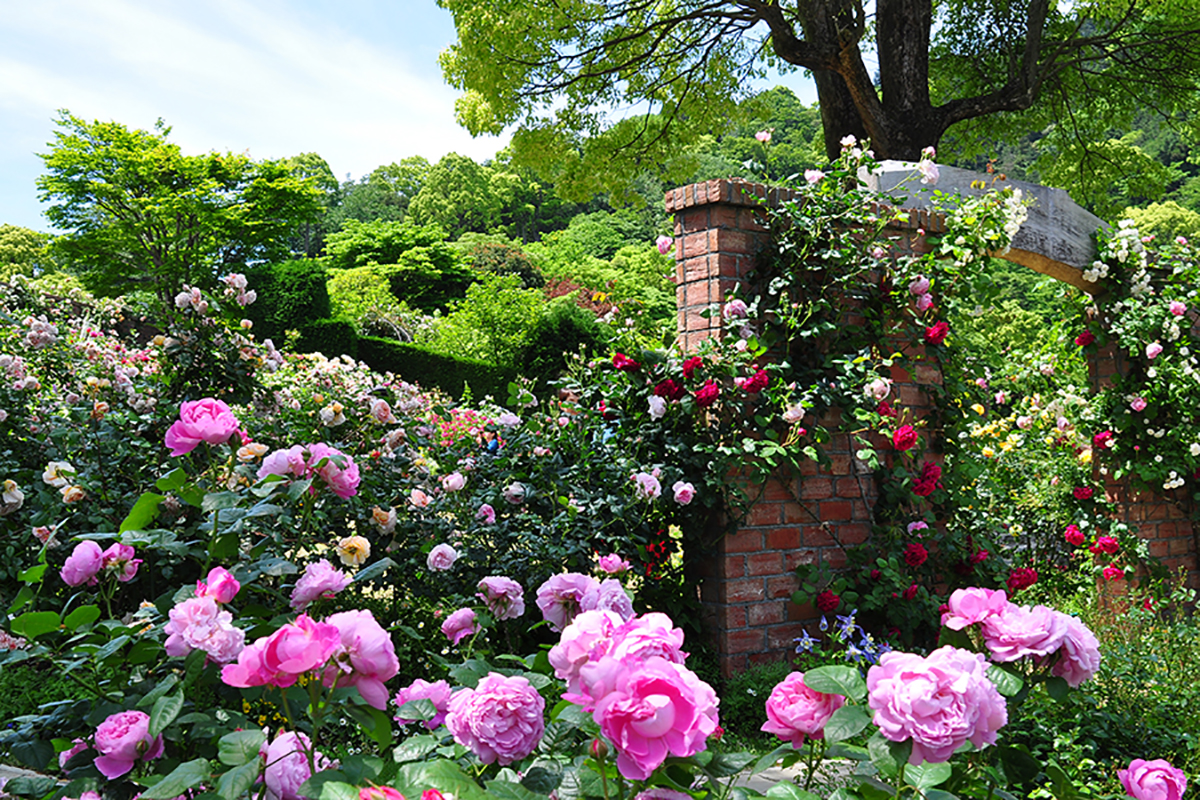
978	409
353	550
1086	456
989	452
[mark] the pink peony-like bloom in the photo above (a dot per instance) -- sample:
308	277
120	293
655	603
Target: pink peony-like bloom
514	493
504	597
437	693
608	595
654	709
813	175
684	492
613	564
918	286
453	482
1079	656
646	486
1177	308
286	765
486	514
77	746
379	793
205	420
561	597
320	580
1020	631
1153	780
664	244
735	309
83	565
366	658
969	606
1153	350
284	463
441	558
118	559
1138	404
279	659
123	739
500	720
342	480
795	711
588	638
939	702
220	585
198	623
924	302
460	625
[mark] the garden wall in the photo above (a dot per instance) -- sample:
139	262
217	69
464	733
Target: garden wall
746	585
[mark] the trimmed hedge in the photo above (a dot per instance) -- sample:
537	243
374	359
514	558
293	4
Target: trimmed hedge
289	294
449	374
330	337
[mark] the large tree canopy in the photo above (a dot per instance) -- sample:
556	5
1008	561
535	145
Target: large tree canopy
897	72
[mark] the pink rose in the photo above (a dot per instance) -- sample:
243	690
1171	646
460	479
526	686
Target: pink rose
918	286
284	463
500	720
382	793
460	625
1073	535
561	597
205	420
341	479
655	709
1153	780
647	486
419	499
939	702
504	597
813	175
1153	350
441	558
514	493
613	564
650	635
969	606
1020	631
320	580
366	658
220	585
735	309
198	623
77	747
589	637
1112	572
924	302
795	711
486	514
83	564
1105	544
608	595
1177	308
1138	404
453	482
118	559
287	769
123	739
929	171
279	659
664	244
437	693
905	438
1079	656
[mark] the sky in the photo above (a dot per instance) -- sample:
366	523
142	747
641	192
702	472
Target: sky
356	81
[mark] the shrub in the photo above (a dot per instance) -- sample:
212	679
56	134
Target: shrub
565	329
502	259
331	337
493	323
448	373
743	698
355	293
427	277
288	291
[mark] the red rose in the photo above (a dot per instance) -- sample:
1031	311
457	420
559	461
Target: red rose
886	410
937	334
980	557
689	366
1083	493
930	480
757	382
1022	578
1085	338
670	390
828	602
904	438
1102	440
706	395
625	363
1105	544
910	592
1112	572
915	555
1073	535
875	574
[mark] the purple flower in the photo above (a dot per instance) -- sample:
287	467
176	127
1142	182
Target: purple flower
460	625
320	580
437	693
561	597
609	595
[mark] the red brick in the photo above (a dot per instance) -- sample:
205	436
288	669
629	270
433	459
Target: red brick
764	564
765	614
696	294
750	640
818	536
734	665
848	487
697	244
744	541
733	567
816	488
835	558
777	490
783	636
853	533
783	538
735	617
1158	549
697	268
724	216
748	590
794	513
765	514
782	587
836	510
1178	547
732	240
839	463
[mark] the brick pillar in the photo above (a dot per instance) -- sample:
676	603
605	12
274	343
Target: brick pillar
747	583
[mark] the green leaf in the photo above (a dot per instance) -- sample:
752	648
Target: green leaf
1019	766
845	681
938	794
926	776
171	481
374	571
1007	683
786	790
165	710
143	512
541	780
186	776
886	755
336	790
22	599
959	639
84	615
724	765
296	489
1058	688
33	624
34	753
510	791
414	748
237	781
421	710
240	747
374	723
770	758
33	574
847	721
220	500
25	786
443	775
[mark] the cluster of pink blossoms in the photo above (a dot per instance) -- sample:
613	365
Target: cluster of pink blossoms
335	468
564	596
87	561
200	622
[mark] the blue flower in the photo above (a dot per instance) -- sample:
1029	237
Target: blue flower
846	625
804	643
824	623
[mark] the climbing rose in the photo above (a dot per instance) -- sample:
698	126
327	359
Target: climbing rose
939	702
1153	349
664	244
1073	535
1102	440
205	420
670	390
1021	578
735	309
1153	780
684	492
122	739
795	711
320	580
689	366
504	597
930	480
918	286
1112	572
905	438
937	333
1138	404
437	693
706	395
1085	338
499	720
647	486
561	597
827	602
379	793
1177	308
1105	544
625	363
1083	493
460	625
915	554
757	382
813	175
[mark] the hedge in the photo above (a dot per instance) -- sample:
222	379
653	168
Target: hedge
330	337
451	375
289	293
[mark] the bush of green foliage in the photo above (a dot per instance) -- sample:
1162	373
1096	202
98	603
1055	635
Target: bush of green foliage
451	375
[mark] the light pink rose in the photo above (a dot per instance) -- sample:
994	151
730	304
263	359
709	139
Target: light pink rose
441	558
646	486
83	564
77	747
924	302
287	767
939	702
366	658
612	564
205	420
419	499
500	720
504	597
561	597
879	388
381	412
795	711
198	623
1079	656
813	175
918	286
1138	404
1153	780
460	625
320	580
1177	308
664	244
586	639
341	480
514	493
1020	631
437	693
220	585
289	462
486	514
735	309
929	171
655	709
608	595
1153	349
968	606
650	635
453	482
684	492
123	739
118	559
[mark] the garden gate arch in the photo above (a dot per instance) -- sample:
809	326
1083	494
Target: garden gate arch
746	586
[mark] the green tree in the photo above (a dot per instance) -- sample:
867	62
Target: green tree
556	70
22	251
460	195
1166	220
138	213
493	323
310	236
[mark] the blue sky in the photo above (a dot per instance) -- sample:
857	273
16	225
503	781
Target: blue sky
356	81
